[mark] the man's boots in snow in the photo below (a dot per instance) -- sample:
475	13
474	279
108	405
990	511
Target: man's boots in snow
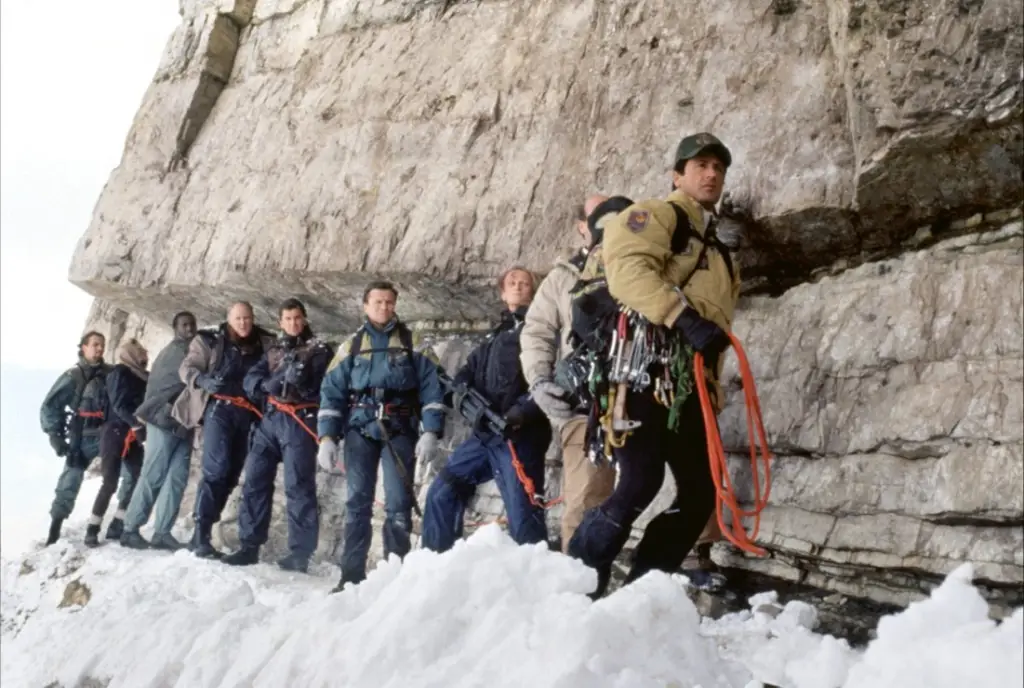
54	533
201	546
702	571
132	540
246	556
92	535
345	580
115	529
294	562
166	542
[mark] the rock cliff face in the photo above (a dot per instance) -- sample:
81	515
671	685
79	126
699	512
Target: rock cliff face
299	147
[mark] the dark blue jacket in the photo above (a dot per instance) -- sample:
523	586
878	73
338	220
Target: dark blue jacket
235	357
291	371
125	392
493	368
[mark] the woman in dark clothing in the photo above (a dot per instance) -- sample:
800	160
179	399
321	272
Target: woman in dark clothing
121	437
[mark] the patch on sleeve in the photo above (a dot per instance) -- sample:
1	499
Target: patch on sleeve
637	220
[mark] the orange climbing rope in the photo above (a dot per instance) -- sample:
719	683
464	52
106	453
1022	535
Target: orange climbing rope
240	402
128	439
527	482
725	494
291	410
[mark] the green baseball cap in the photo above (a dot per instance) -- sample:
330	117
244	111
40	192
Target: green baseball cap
696	144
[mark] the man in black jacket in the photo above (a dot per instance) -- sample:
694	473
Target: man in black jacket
288	380
493	370
168	446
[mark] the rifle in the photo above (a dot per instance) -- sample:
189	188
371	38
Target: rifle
472	406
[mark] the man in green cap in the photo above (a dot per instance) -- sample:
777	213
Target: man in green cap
664	261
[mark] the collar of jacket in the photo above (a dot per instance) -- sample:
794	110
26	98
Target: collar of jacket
381	329
694	209
90	367
290	342
510	318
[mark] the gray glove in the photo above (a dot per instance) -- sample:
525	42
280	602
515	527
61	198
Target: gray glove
328	456
551	399
426	447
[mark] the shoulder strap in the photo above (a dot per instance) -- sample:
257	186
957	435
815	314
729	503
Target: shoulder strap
357	342
680	239
405	337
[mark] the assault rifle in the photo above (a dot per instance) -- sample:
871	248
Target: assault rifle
472	406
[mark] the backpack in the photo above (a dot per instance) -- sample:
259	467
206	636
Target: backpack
90	402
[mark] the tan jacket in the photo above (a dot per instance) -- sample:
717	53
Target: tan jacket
544	339
204	353
644	274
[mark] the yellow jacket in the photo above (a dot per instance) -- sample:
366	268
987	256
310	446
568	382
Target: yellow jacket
644	274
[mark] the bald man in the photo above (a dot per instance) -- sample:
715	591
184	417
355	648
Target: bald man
544	341
213	369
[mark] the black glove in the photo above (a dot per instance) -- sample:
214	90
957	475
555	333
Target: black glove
59	445
293	374
515	418
140	433
703	335
210	383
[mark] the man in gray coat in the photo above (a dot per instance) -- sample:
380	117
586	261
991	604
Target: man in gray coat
168	446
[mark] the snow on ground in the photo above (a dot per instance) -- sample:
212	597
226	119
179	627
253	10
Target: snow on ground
487	613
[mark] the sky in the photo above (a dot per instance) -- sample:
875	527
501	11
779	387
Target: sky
72	75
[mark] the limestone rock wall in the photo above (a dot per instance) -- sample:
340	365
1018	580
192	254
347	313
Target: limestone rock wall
303	147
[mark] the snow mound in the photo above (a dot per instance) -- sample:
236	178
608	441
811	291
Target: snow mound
487	613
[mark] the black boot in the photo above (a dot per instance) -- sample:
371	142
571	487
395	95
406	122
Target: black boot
115	529
92	535
132	540
54	534
294	562
246	556
346	579
201	546
166	542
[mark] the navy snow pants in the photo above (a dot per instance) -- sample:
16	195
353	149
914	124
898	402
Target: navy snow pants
226	430
279	438
480	458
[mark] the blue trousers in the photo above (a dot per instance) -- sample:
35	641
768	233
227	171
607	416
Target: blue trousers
362	456
477	460
226	430
162	481
280	439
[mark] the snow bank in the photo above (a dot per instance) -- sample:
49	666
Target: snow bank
487	613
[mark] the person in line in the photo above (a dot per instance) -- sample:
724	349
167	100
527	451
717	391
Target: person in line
663	260
288	379
213	370
493	370
121	437
380	404
168	447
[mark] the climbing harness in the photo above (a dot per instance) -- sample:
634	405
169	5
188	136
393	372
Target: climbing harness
240	402
293	411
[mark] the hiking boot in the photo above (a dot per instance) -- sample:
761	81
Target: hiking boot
201	547
247	556
708	581
115	529
92	536
54	533
132	540
294	562
345	580
165	542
